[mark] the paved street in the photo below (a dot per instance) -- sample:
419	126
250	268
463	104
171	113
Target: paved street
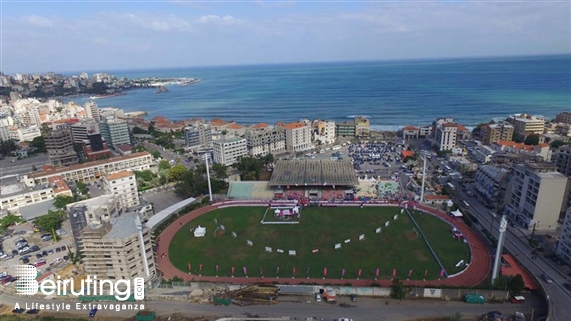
9	170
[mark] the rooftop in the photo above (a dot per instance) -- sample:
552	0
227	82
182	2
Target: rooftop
33	211
293	125
235	126
313	173
58	184
410	128
261	125
124	227
121	174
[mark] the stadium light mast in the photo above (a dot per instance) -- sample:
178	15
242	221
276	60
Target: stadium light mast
206	156
424	155
499	249
139	226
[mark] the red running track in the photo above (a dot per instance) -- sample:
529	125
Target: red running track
476	272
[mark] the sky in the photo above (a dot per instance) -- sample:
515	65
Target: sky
62	36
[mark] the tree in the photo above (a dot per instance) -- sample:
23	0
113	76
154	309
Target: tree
220	171
164	165
156	154
399	291
557	143
517	137
455	317
39	144
8	220
516	285
82	188
51	221
145	175
251	167
74	257
7	146
61	201
532	139
176	172
139	130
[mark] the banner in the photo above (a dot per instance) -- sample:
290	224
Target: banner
293	270
245	270
324	271
360	272
307	271
425	272
377	272
442	273
216	268
409	273
394	273
200	267
277	270
261	271
189	267
343	273
232	270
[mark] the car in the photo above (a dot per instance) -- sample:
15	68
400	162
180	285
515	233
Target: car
61	231
7	279
20	233
23	257
26	261
47	238
92	312
353	297
32	311
20	239
318	297
3	275
34	248
8	257
57	260
25	250
44	253
14	252
22	245
39	263
18	310
45	235
546	278
50	252
3	255
39	256
517	299
64	248
65	258
567	286
58	250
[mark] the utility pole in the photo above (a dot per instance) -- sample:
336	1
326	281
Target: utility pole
424	155
206	156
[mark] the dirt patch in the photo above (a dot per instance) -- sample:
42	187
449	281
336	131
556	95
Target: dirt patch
410	235
220	232
420	256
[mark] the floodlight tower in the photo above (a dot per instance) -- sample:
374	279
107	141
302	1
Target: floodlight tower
139	226
499	249
206	156
424	155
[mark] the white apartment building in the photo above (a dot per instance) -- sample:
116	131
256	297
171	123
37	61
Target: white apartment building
91	171
446	136
124	185
227	151
25	134
4	133
92	110
12	197
298	136
535	195
262	141
324	131
120	249
564	245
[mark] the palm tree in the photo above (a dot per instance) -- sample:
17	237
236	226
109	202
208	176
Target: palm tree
74	257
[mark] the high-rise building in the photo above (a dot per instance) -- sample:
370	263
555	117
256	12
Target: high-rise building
563	117
124	185
524	123
120	249
80	130
4	133
562	159
496	132
116	132
362	127
438	122
198	134
59	145
535	195
345	130
446	136
227	151
324	131
263	140
92	111
298	136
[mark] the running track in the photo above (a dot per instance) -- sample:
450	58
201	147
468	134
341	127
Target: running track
474	274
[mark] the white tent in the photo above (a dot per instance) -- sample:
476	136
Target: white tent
456	213
199	231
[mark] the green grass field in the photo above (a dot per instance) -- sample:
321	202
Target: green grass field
396	247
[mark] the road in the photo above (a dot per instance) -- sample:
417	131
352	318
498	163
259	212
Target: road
516	243
365	309
9	170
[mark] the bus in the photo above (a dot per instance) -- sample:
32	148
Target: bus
466	203
451	186
447	168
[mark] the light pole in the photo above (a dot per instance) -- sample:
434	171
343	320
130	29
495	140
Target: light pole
139	226
424	155
206	156
498	258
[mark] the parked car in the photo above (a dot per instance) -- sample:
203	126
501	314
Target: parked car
39	263
35	248
44	253
32	311
353	298
39	256
18	310
25	250
92	312
20	232
61	231
517	299
7	279
57	260
47	238
64	248
26	261
20	239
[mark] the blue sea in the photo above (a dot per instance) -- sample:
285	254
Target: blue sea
391	94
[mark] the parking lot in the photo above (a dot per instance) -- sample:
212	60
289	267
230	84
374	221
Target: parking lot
21	245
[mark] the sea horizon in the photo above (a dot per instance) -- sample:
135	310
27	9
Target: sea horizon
392	94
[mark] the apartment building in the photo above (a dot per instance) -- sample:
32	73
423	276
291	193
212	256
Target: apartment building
92	111
345	130
12	197
4	133
115	132
93	211
562	159
491	183
438	122
446	136
535	195
563	117
120	249
95	147
496	132
524	123
26	134
227	151
261	141
298	136
324	131
199	134
564	245
124	185
91	171
362	127
541	150
81	130
59	145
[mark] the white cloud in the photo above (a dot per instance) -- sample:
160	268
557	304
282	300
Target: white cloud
39	21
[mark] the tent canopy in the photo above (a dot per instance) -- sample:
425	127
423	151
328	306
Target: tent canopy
456	213
199	231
